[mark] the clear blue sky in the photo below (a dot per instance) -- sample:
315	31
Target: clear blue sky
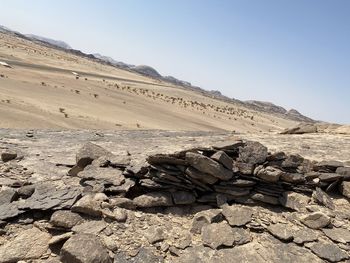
294	53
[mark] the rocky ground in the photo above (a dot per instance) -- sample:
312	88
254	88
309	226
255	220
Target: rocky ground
157	196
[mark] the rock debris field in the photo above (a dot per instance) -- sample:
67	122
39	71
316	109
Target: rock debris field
227	200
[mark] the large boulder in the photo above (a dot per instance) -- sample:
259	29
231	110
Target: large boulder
84	248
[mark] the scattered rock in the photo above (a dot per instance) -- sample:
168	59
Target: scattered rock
65	219
204	218
281	231
84	248
294	201
316	220
90	152
339	235
269	174
217	234
7	196
155	234
153	199
8	155
302	236
329	251
89	205
236	215
28	245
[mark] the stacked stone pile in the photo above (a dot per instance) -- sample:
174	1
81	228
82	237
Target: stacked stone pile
110	206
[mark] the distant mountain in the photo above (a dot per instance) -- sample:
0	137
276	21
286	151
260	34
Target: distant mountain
153	73
112	61
57	43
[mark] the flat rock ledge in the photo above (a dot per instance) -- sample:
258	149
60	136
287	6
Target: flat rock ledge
233	202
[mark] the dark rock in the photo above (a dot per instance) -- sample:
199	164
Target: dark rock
204	218
153	199
269	174
265	198
292	161
316	220
217	234
245	168
183	198
323	198
330	166
8	155
75	170
294	178
90	152
281	231
237	215
46	196
207	165
241	183
28	245
103	175
9	210
203	177
84	248
65	219
232	191
339	235
165	159
233	145
252	153
26	191
329	177
294	200
329	251
223	158
305	235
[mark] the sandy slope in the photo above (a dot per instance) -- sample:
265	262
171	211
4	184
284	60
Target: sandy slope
40	91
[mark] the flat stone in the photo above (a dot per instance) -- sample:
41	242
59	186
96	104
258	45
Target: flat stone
183	198
301	129
322	198
345	171
9	210
292	161
8	195
294	201
329	251
84	248
203	177
60	238
294	178
217	234
241	236
265	198
241	183
165	159
345	188
252	153
90	227
232	191
90	152
204	218
65	219
88	205
305	235
232	145
244	168
328	165
155	234
237	215
123	202
103	175
47	196
339	235
207	165
316	220
28	245
281	231
153	199
329	177
269	173
8	155
223	158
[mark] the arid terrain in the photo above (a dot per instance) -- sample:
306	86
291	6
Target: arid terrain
100	164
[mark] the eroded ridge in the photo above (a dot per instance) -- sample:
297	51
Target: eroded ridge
198	205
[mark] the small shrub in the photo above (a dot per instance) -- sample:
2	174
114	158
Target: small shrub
77	91
96	96
61	110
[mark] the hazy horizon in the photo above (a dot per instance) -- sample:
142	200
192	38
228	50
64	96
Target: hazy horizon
293	54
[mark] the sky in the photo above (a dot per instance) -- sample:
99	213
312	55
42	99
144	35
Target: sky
294	53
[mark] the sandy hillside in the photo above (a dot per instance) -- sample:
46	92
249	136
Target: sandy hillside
40	91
